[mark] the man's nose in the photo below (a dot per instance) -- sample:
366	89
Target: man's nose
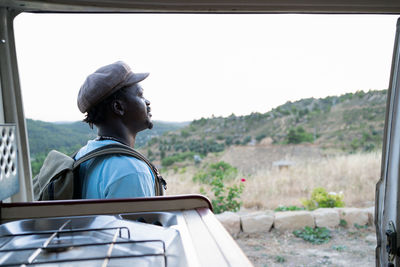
147	102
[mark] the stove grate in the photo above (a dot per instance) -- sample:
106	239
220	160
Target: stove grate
47	247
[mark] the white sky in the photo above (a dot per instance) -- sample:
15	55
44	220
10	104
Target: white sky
202	64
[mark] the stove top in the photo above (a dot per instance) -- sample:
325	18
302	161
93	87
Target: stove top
159	231
91	240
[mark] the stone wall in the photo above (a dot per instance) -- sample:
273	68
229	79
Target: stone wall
251	222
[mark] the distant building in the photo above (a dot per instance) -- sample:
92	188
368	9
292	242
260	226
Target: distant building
282	164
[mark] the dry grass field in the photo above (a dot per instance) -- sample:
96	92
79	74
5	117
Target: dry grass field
268	187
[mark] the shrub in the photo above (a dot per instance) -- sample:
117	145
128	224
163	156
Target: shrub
220	169
314	235
220	137
280	259
246	140
228	140
168	161
298	135
322	199
152	141
261	137
339	248
185	133
225	198
162	154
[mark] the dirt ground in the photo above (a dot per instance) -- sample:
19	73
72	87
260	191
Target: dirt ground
347	247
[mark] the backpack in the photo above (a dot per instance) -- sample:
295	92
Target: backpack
58	178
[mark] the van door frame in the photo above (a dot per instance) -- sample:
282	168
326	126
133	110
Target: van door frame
11	111
387	188
11	107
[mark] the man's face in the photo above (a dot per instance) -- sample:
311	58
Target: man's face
137	116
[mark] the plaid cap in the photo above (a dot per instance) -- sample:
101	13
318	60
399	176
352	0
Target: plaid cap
104	82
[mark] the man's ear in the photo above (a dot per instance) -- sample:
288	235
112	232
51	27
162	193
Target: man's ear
118	107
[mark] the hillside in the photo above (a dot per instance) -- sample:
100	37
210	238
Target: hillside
347	123
69	137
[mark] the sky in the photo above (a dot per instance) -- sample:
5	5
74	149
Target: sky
202	65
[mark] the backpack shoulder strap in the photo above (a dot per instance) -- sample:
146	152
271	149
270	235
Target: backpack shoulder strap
160	183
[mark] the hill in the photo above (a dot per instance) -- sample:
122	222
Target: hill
348	123
68	137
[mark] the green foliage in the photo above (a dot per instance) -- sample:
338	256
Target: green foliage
228	140
204	146
185	133
355	144
288	208
261	137
36	163
367	142
220	137
343	223
363	118
314	235
162	154
220	169
298	135
322	199
360	128
347	96
280	259
70	137
168	161
246	140
303	112
339	248
159	128
45	136
225	198
200	122
356	225
360	94
153	141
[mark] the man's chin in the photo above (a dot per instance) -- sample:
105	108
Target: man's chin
150	125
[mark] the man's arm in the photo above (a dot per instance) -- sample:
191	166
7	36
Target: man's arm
138	184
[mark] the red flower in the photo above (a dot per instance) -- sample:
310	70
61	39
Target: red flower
243	180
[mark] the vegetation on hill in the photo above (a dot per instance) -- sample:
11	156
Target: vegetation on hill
351	122
69	137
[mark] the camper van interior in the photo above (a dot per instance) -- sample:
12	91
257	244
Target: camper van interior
162	231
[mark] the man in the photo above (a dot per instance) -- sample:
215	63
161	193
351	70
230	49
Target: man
113	101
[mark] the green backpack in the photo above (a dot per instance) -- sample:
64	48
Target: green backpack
58	178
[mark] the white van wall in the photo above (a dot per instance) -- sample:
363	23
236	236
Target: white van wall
11	108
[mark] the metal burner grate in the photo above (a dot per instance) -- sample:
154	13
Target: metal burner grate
97	247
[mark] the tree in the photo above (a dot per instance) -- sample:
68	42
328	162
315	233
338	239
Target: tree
298	135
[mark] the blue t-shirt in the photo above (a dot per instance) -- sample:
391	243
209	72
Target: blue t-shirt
114	176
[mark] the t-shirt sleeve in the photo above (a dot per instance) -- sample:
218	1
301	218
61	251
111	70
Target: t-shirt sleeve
129	186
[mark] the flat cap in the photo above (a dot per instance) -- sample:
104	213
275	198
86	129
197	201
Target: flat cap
104	82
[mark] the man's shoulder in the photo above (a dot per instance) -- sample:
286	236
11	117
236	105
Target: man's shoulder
93	145
121	161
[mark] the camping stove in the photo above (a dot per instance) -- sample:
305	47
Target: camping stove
160	231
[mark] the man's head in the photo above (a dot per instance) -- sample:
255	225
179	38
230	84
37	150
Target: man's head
112	92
